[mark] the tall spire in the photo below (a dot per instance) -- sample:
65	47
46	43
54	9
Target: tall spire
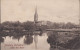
36	15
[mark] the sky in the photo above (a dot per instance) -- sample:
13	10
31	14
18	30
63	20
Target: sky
48	10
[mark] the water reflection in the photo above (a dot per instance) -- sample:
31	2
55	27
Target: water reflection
18	37
28	39
31	41
36	40
1	40
42	41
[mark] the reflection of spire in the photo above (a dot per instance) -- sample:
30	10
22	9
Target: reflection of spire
36	15
36	40
28	40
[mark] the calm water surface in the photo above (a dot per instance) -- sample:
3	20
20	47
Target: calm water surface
43	41
34	42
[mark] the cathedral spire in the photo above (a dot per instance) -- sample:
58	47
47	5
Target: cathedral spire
36	15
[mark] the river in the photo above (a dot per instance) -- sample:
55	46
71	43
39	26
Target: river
43	41
34	42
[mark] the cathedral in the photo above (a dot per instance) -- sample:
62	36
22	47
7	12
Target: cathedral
38	23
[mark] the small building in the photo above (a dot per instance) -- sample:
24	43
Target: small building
40	23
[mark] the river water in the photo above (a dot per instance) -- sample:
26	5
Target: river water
43	41
34	42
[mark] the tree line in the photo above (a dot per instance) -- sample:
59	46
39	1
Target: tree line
30	25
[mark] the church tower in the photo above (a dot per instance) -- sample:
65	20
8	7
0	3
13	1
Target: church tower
36	16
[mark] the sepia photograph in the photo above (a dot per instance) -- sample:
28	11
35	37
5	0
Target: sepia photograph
39	24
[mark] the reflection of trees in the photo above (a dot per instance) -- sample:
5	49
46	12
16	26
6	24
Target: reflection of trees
41	32
17	37
1	40
28	39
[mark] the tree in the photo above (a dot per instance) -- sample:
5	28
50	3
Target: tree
29	26
28	40
70	25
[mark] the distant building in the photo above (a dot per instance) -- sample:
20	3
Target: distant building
42	23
